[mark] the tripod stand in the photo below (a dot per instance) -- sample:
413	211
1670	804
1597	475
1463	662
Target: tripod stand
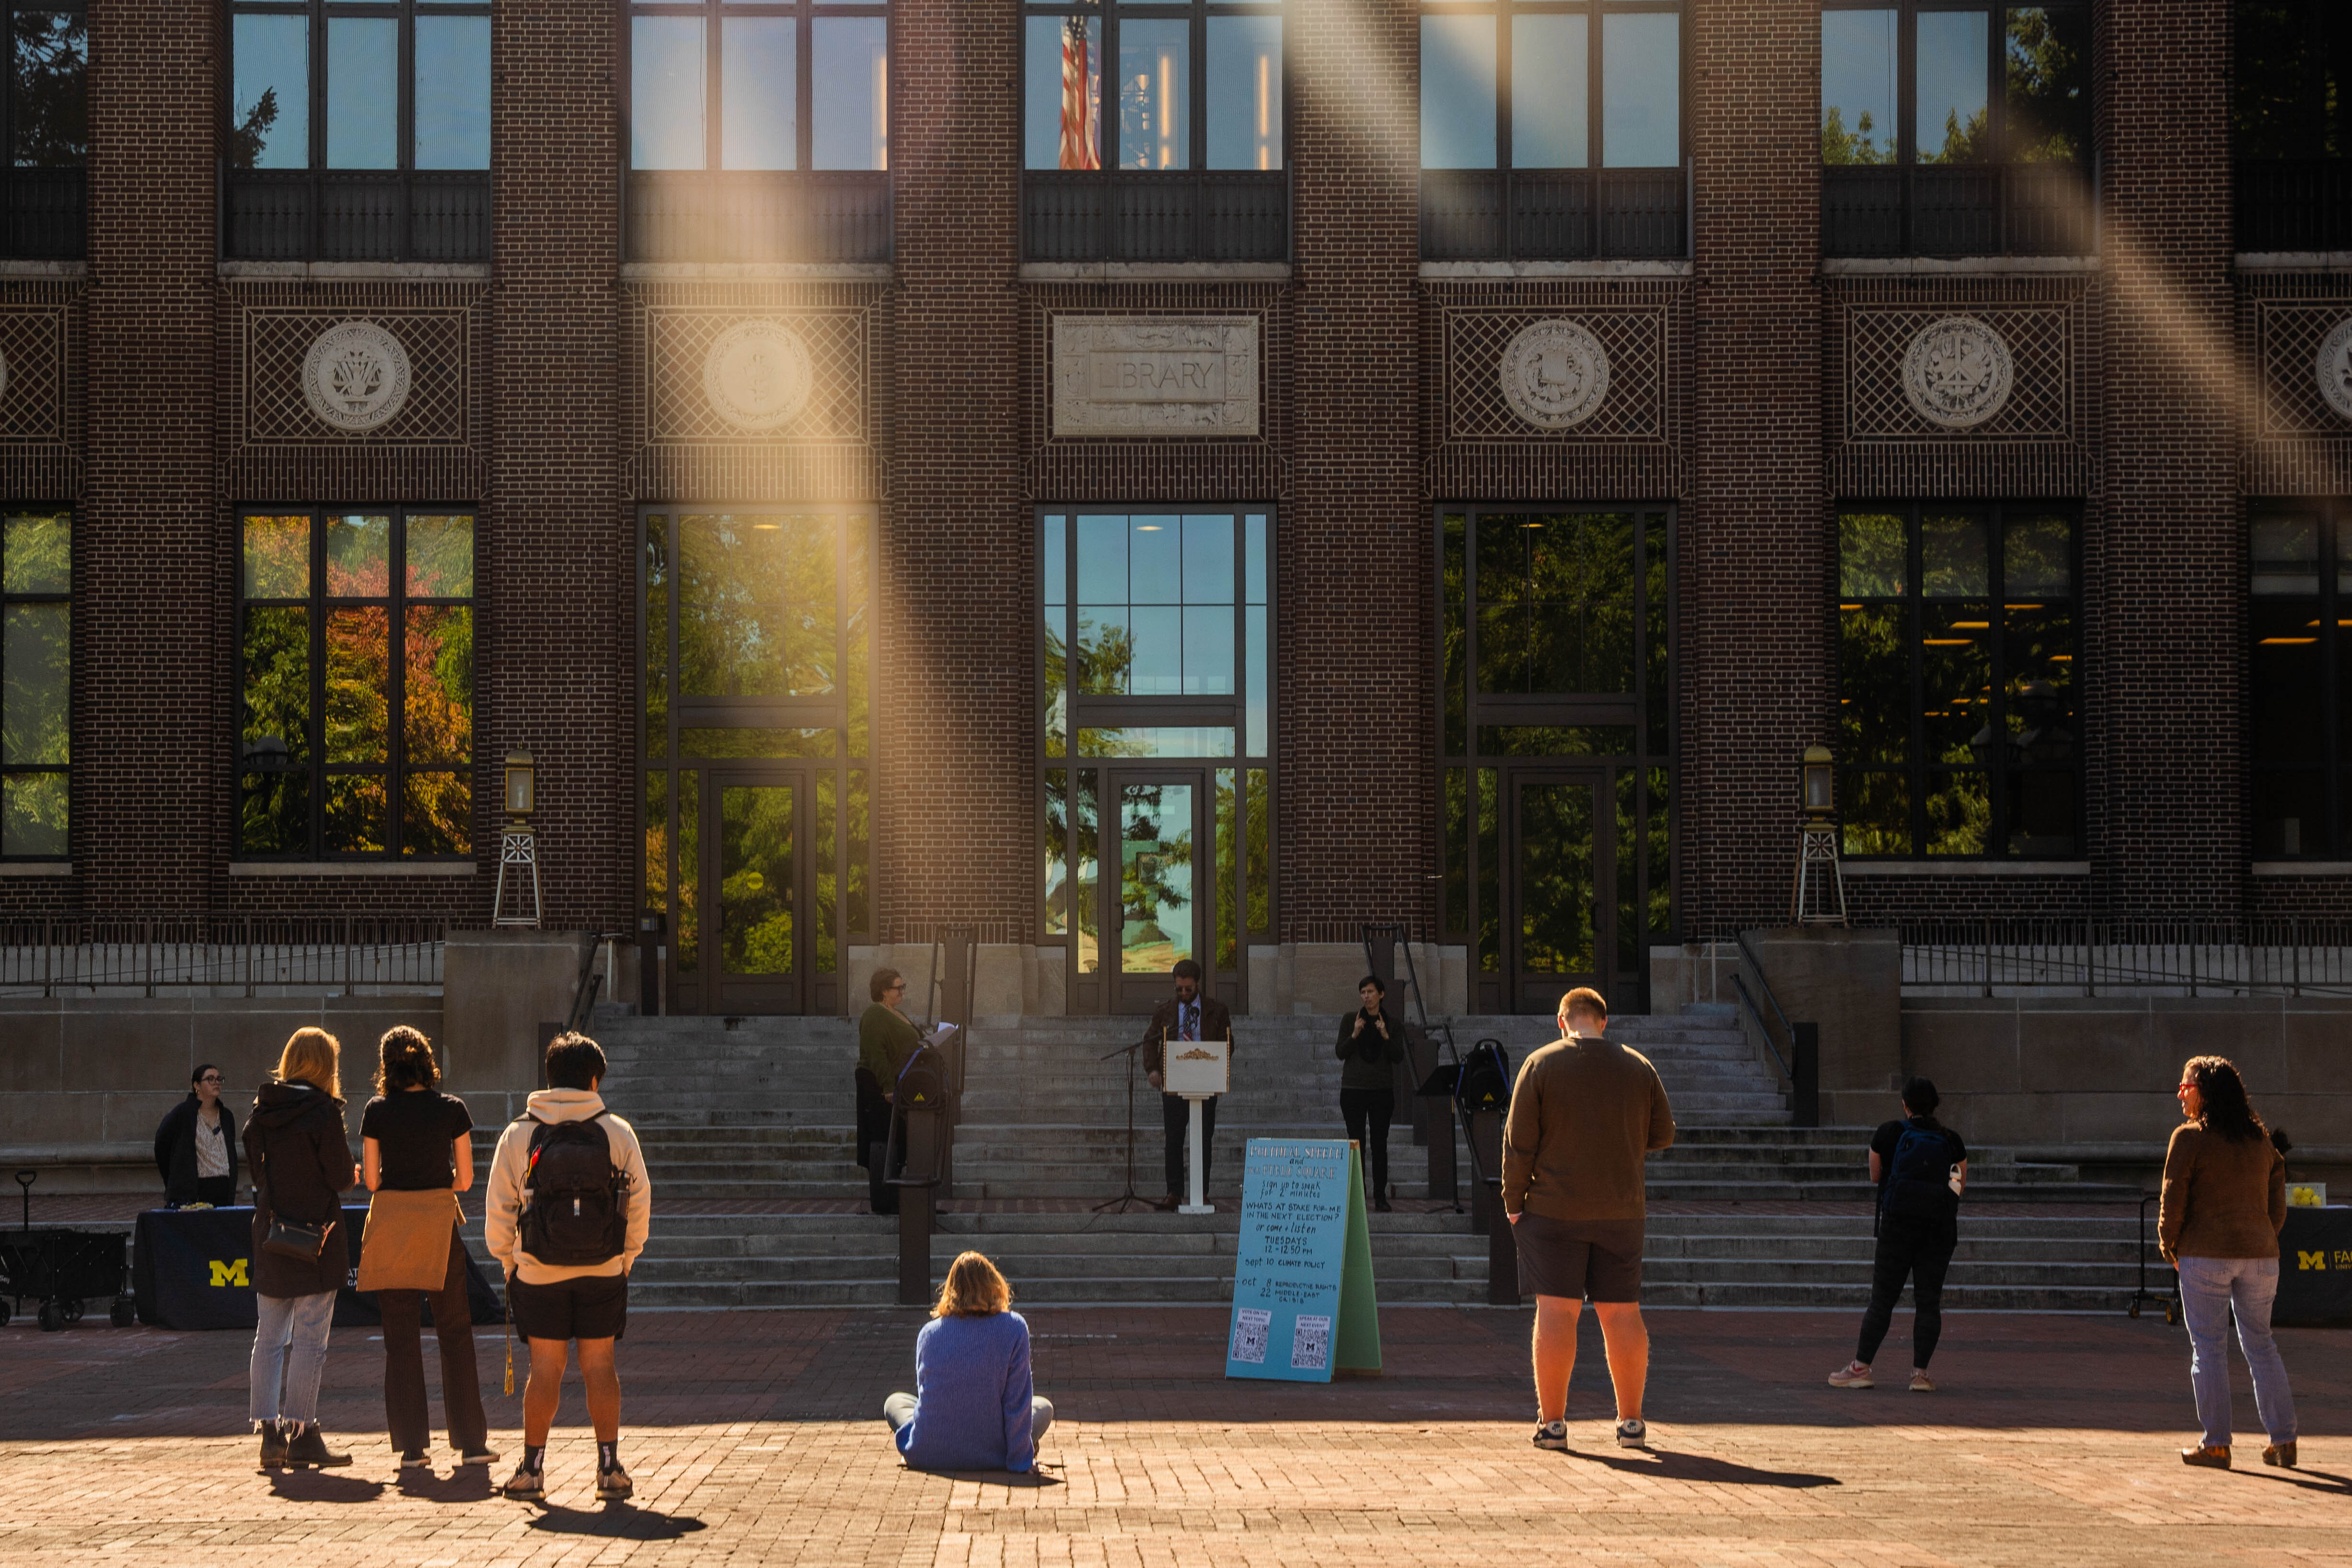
1130	1195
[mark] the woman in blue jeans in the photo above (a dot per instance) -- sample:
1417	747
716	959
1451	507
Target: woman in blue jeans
2224	1202
974	1406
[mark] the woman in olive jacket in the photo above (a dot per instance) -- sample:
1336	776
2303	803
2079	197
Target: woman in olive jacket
302	1164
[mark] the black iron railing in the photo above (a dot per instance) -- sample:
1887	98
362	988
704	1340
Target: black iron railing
1958	209
811	216
1155	216
47	209
122	954
338	215
2294	204
2198	958
1553	214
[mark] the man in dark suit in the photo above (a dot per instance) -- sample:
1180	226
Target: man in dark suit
1187	1016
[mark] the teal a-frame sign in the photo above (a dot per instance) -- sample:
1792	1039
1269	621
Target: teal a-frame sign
1303	1299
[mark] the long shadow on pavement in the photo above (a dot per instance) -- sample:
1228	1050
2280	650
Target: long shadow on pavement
617	1522
1699	1468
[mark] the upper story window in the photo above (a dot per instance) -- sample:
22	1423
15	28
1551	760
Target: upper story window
759	131
1957	720
1181	159
2299	671
1551	130
1955	129
35	682
356	655
359	130
2292	123
47	115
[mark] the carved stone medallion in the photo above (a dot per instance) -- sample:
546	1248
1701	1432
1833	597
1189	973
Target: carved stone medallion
355	377
1555	375
758	375
2335	369
1957	373
1155	375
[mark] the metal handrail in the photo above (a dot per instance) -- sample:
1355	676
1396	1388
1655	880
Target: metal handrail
1787	1028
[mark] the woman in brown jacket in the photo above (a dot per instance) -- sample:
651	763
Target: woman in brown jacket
2224	1201
294	1144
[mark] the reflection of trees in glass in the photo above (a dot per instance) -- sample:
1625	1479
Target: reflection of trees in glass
1963	144
249	136
755	888
36	699
1155	876
1555	876
1105	657
50	60
1876	807
1871	554
1228	840
1959	814
2047	63
1556	603
756	608
2292	80
35	682
1859	145
1873	684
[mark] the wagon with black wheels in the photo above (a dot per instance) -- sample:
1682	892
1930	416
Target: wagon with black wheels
61	1271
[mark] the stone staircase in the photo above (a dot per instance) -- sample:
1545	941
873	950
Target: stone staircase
754	1110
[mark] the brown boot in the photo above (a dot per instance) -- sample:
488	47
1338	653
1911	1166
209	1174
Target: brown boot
2280	1454
273	1446
2216	1459
309	1451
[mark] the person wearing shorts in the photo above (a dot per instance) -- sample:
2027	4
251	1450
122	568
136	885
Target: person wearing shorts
1584	1114
557	1306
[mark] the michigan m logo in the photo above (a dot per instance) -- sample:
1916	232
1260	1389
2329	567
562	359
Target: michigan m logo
2302	1259
231	1271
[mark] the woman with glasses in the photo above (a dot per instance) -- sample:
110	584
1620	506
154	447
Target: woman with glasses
886	1038
195	1147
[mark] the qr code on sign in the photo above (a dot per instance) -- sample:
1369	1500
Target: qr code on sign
1249	1335
1311	1344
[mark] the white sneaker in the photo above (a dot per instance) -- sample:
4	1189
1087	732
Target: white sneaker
1632	1434
1852	1374
1921	1381
1552	1435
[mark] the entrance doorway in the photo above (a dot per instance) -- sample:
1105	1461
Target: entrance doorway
1560	852
757	959
1154	916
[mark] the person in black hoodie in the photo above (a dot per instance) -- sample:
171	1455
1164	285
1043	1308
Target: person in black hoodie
195	1147
302	1164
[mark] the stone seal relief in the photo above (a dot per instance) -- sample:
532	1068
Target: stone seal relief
758	375
1555	375
1958	372
2333	368
355	377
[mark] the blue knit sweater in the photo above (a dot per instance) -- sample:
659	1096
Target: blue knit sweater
971	1395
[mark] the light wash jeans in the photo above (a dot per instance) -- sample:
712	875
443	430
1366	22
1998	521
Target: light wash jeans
2210	1288
899	1409
290	1341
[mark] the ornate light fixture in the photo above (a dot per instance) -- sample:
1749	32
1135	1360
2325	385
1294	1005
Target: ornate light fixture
1818	895
516	845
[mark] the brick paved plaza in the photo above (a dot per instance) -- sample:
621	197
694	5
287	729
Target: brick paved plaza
754	1438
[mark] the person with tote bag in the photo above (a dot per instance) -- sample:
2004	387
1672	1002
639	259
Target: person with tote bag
417	1154
294	1144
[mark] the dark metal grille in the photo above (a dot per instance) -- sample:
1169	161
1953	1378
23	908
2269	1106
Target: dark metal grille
1967	209
1552	214
124	954
46	213
2198	958
2294	204
335	215
718	215
1155	216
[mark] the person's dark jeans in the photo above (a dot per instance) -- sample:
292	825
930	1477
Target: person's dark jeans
1176	1120
403	1362
1923	1252
1370	1111
881	1196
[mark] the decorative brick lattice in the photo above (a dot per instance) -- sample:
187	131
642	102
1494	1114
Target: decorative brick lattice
32	406
2040	405
2292	332
276	342
678	410
1634	409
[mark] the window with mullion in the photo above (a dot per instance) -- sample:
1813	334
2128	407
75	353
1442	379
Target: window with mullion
1526	84
2299	678
759	86
44	104
1957	681
1194	84
35	682
1928	82
356	642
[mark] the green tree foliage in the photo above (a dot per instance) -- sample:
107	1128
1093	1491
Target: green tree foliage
2047	64
1859	145
51	64
247	138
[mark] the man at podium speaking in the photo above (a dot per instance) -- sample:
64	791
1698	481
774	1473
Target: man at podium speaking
1187	1016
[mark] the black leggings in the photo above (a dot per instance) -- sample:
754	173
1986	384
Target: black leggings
1377	1107
1923	1252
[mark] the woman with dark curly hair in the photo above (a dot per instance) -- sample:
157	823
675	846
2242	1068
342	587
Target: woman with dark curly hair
2218	1223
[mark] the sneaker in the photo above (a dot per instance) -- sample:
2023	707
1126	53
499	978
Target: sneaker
2280	1454
414	1460
479	1457
1921	1381
1852	1374
2214	1458
1552	1435
526	1486
1632	1434
612	1485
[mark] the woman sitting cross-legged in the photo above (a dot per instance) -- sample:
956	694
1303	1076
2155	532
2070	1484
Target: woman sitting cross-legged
974	1407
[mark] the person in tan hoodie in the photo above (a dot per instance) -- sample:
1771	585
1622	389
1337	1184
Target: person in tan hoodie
567	1221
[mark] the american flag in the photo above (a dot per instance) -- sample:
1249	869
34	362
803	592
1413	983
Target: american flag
1078	143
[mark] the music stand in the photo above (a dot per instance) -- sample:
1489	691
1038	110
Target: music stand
1130	1195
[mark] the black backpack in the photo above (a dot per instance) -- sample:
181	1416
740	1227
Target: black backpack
1485	1082
1919	1177
576	1213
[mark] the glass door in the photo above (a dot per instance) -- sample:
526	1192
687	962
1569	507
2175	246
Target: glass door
757	956
1154	916
1558	933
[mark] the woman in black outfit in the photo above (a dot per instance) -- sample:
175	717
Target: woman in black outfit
294	1144
1371	1042
195	1147
416	1140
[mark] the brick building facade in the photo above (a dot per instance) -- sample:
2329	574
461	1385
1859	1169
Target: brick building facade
566	383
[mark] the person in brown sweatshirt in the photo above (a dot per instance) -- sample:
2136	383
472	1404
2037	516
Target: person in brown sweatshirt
2218	1223
1584	1112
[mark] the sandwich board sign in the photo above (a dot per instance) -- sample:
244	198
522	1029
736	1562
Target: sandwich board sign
1303	1299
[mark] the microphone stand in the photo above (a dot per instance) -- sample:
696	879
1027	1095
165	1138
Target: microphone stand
1118	1204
